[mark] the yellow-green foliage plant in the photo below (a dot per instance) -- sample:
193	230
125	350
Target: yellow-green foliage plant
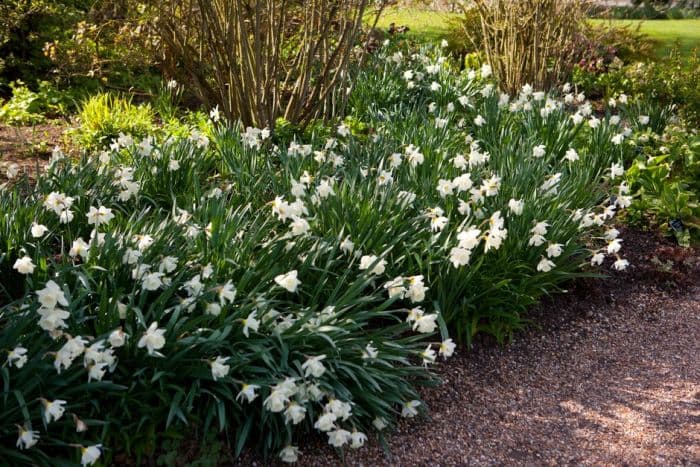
104	117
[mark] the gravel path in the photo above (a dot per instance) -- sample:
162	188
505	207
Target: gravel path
612	376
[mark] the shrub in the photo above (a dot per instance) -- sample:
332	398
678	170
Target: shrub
266	60
465	34
25	25
664	177
103	117
670	81
23	108
244	262
528	42
113	44
27	107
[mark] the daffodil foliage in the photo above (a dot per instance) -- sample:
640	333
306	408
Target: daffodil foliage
269	287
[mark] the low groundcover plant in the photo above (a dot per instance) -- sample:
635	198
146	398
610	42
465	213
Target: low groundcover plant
226	280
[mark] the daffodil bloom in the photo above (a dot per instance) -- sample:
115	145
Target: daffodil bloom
343	130
614	246
17	356
447	348
90	454
325	422
167	265
410	408
79	248
213	309
536	240
226	293
290	454
38	230
300	226
314	367
53	410
460	256
340	409
516	206
96	371
597	259
445	188
539	151
540	228
358	439
51	295
616	170
52	319
395	287
339	437
428	355
425	324
571	155
117	338
153	339
247	392
621	264
99	216
80	426
551	183
554	250
277	400
288	281
27	438
24	265
545	265
369	352
219	369
416	289
379	423
294	413
152	281
378	265
251	322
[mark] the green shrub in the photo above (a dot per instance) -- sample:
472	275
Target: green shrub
23	108
664	178
103	117
671	81
465	34
650	10
26	107
25	26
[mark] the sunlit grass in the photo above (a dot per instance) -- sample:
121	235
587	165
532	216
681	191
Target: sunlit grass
667	32
427	25
424	25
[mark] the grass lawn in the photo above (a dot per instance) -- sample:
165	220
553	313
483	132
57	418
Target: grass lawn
667	31
432	26
424	25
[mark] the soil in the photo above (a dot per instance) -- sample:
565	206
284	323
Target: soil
610	375
29	146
